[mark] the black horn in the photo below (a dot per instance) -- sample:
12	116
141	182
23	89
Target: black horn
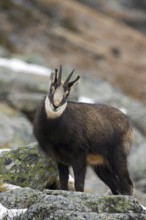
72	82
68	78
56	71
60	75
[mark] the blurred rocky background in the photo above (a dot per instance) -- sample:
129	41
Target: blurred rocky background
105	41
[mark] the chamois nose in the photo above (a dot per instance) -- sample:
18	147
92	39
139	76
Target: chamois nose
55	107
56	103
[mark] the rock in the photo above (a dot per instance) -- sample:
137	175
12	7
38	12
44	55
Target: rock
15	129
26	102
140	196
131	12
27	167
13	82
4	52
23	85
138	168
63	42
71	205
10	213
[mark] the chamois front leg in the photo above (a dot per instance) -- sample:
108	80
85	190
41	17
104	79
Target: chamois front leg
79	169
63	176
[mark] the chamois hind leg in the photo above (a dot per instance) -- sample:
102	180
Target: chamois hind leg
119	166
108	177
119	162
63	176
79	169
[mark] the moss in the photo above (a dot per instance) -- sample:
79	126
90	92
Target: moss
68	205
2	187
117	204
26	167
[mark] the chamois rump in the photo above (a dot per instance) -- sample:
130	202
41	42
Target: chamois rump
80	135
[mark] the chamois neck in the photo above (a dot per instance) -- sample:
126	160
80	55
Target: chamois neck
53	114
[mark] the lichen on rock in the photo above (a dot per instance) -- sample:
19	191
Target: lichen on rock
71	205
27	167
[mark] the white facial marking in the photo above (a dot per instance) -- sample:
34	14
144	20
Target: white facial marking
51	114
58	95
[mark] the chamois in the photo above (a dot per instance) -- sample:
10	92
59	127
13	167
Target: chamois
80	134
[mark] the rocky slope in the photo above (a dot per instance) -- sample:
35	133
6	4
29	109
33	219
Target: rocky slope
130	12
71	33
68	205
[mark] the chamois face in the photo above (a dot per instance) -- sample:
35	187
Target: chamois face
59	91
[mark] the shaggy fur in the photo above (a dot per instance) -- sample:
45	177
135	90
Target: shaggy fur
87	134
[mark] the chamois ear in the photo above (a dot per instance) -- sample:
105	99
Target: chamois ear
74	83
53	76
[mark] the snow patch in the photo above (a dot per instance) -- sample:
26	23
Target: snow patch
124	110
21	66
4	150
143	207
10	213
10	187
86	99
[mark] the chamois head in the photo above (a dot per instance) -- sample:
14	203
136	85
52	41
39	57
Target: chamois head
59	91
